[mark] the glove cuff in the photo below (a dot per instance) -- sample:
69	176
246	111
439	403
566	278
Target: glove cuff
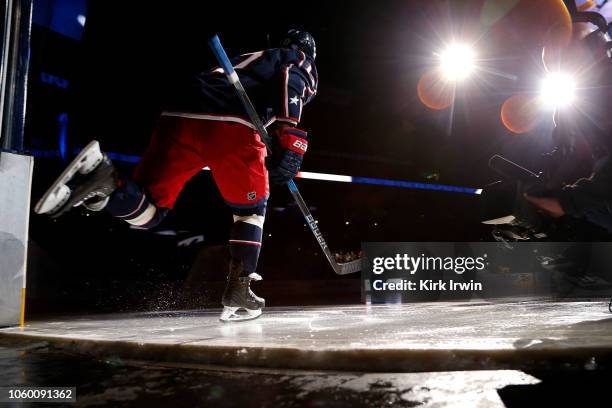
295	140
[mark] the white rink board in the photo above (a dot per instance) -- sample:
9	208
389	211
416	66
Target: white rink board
15	187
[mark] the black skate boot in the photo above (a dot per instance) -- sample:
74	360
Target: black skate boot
89	180
238	295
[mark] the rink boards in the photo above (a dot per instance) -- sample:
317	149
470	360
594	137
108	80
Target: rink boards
15	188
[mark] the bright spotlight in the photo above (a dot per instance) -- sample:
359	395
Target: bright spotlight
457	61
558	90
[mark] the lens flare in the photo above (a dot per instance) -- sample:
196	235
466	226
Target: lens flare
540	23
520	113
557	90
457	62
434	92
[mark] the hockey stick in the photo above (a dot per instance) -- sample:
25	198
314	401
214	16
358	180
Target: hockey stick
224	62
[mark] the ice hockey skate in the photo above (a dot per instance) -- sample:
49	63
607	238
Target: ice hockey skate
89	179
238	295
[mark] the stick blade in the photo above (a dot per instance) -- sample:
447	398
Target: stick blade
349	267
501	220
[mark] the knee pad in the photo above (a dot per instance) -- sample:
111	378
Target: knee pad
253	219
245	241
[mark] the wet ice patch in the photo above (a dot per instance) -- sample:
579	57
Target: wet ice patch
438	389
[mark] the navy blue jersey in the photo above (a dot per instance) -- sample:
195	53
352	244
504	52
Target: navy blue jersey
278	81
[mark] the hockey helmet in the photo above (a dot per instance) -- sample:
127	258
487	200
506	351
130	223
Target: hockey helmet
301	40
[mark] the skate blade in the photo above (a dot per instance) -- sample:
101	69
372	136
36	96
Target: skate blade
230	314
57	195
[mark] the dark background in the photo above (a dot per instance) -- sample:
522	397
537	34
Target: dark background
110	79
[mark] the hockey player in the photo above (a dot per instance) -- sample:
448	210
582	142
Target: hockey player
209	127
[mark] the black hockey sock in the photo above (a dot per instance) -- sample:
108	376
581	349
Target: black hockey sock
130	203
245	243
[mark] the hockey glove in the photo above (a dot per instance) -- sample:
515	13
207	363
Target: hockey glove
289	146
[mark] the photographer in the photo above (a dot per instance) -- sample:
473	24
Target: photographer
588	198
582	134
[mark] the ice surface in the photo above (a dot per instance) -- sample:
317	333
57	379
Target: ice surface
445	334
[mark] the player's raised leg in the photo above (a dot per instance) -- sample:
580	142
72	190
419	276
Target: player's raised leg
89	179
142	201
